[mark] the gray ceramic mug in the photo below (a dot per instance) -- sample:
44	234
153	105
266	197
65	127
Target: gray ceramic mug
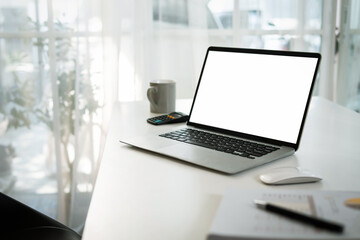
162	96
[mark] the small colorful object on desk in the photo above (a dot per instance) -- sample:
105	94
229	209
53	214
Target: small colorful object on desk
353	203
174	117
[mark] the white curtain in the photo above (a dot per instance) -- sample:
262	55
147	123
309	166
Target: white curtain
347	86
149	52
58	76
168	39
90	139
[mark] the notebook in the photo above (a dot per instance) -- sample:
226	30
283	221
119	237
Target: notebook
238	217
252	99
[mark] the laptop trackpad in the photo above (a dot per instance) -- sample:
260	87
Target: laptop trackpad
204	157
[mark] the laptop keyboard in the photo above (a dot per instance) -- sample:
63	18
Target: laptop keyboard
220	143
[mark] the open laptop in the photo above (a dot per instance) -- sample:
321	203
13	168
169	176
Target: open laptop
249	108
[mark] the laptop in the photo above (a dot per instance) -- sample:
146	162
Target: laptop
249	109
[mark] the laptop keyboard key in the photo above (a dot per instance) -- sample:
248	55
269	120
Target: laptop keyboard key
220	143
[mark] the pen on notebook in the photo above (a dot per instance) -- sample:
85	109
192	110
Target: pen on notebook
318	222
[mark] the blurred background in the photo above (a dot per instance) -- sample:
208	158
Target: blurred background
63	64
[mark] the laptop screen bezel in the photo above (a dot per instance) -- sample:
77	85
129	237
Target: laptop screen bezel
265	52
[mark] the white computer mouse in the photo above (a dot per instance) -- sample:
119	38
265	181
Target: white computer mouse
288	175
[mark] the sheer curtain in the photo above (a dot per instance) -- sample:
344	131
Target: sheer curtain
81	137
102	64
58	75
348	55
168	39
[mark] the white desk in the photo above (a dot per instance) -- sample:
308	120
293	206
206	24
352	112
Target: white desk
141	195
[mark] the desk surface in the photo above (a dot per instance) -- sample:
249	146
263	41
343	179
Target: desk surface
141	195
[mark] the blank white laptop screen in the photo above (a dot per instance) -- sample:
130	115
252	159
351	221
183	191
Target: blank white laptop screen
257	94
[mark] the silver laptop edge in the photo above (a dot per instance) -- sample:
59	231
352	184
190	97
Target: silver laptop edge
201	156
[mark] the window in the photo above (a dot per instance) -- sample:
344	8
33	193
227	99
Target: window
348	55
51	98
270	24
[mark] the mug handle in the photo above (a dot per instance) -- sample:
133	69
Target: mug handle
150	93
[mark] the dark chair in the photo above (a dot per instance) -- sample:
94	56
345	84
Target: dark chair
18	221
